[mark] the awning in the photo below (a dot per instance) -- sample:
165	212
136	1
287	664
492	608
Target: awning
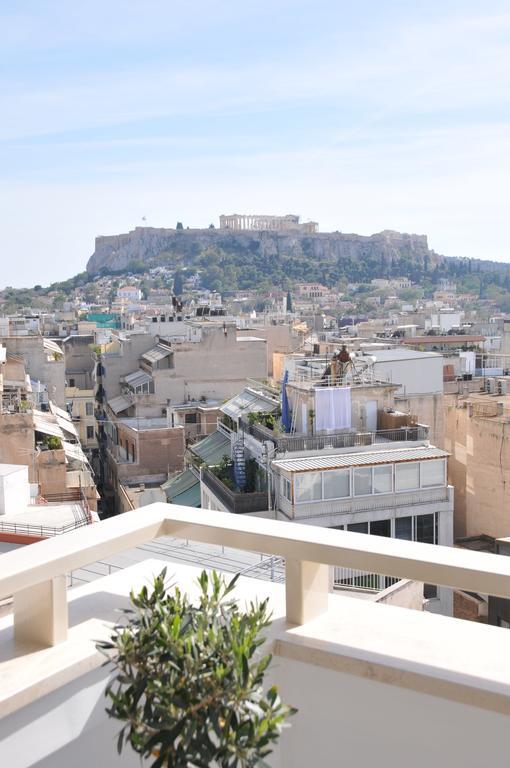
367	458
183	489
52	347
67	426
212	448
74	452
119	404
64	420
46	424
159	352
137	379
248	401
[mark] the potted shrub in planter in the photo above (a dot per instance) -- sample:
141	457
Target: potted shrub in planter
188	679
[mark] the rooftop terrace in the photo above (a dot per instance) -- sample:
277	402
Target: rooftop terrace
365	676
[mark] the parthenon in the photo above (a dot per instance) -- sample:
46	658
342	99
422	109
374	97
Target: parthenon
289	223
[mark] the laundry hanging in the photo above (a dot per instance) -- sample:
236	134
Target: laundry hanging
332	409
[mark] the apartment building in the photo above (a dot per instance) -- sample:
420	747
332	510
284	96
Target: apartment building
44	360
351	461
476	434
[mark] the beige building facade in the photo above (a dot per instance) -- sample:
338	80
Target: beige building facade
477	430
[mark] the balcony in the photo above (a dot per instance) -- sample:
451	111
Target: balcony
234	501
367	678
289	443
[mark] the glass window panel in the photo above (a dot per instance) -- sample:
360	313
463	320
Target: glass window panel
286	488
336	484
380	528
404	528
407	476
308	486
425	529
432	473
362	481
358	527
383	479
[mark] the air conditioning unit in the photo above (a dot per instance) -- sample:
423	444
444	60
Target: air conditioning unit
490	386
502	386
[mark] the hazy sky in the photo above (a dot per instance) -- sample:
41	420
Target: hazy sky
364	116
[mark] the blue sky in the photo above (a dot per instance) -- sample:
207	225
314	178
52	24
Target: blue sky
364	116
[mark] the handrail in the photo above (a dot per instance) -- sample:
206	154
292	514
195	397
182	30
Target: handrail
35	575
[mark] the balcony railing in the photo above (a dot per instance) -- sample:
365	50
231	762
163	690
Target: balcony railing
234	501
290	443
36	576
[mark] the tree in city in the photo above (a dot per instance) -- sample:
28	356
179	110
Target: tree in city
188	678
179	225
289	302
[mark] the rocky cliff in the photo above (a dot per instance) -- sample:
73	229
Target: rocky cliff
180	248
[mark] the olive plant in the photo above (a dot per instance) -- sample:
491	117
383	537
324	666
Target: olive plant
188	678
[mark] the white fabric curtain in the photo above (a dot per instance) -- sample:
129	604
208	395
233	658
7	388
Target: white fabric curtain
332	408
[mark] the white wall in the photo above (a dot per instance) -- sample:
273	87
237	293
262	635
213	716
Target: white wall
343	720
14	491
421	375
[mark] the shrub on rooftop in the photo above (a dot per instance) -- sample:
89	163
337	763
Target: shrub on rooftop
188	678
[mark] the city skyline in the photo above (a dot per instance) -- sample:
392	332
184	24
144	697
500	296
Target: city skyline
362	119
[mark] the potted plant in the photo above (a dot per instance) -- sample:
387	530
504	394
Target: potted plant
188	678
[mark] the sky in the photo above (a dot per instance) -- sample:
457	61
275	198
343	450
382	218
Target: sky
363	116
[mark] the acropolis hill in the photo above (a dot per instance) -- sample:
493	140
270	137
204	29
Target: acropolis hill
257	245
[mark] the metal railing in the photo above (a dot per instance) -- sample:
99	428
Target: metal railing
40	531
289	443
221	427
349	578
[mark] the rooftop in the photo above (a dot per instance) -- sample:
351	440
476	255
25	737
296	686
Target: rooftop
367	458
381	667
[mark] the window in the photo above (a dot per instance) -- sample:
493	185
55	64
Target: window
190	418
71	382
336	484
286	488
432	473
154	319
407	476
162	318
358	527
362	477
404	528
383	479
308	486
380	528
90	433
425	528
89	409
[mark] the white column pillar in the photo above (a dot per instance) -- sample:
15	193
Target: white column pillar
40	613
306	590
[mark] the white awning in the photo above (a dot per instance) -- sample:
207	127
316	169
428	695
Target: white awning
47	424
52	347
119	404
74	452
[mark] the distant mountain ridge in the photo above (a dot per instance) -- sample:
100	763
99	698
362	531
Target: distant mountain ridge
279	256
